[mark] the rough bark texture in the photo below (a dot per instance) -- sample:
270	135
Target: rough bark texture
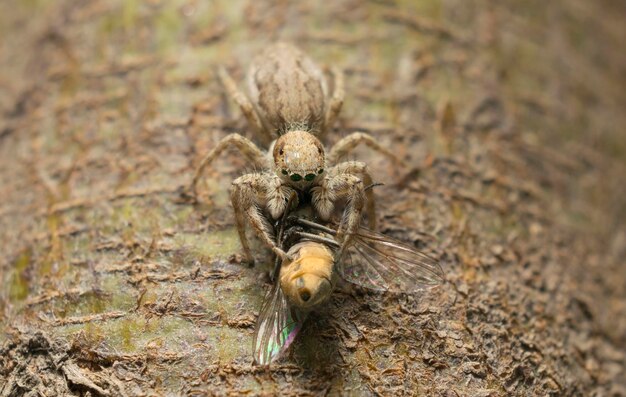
510	114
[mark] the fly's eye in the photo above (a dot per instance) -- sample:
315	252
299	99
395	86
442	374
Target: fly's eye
284	172
296	177
309	177
320	171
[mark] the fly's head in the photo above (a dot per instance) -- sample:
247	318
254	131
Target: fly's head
299	159
307	280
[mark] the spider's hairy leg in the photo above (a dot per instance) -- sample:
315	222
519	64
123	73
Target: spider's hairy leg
323	197
350	142
279	196
336	100
245	105
238	208
360	169
247	193
338	186
255	155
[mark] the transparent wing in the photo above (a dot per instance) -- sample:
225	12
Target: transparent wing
382	263
276	327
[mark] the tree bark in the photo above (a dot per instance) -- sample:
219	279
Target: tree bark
509	114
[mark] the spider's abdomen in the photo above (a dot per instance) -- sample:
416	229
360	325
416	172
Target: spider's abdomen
288	89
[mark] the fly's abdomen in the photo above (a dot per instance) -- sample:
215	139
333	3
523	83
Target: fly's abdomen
308	280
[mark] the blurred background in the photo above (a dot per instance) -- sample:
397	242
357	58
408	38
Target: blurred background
509	115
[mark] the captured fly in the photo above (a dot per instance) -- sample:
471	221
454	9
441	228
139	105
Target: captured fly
371	260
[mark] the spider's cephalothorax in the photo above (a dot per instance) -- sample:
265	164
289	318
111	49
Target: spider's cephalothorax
299	159
290	106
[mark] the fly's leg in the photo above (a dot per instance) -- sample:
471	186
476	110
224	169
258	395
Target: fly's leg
245	105
336	101
256	157
360	169
350	142
246	194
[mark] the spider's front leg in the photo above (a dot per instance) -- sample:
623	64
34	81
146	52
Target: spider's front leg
335	187
255	155
248	194
360	169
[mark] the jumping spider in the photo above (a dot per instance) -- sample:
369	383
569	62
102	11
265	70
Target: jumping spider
291	106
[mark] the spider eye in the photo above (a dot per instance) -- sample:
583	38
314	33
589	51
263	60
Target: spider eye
296	177
284	172
320	171
309	177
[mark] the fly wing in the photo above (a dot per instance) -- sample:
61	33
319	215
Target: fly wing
382	263
276	327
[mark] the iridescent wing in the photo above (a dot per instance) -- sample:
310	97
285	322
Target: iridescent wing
382	263
276	327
